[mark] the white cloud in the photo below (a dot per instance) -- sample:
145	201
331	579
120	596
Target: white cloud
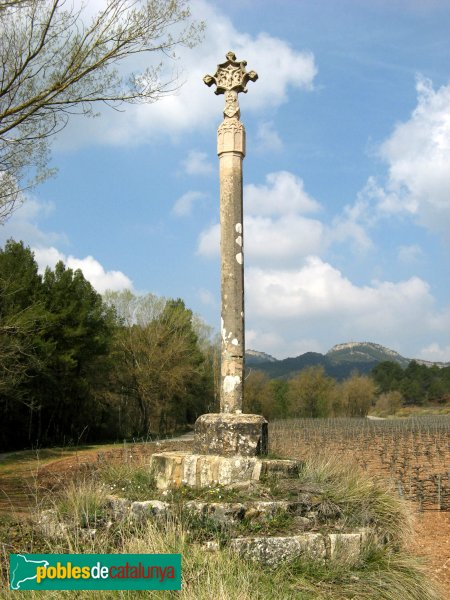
23	224
262	339
209	241
282	194
92	270
435	352
418	158
277	345
318	289
197	163
305	303
347	229
184	205
280	68
275	230
268	138
417	183
270	241
282	240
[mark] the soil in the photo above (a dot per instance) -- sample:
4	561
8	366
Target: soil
432	542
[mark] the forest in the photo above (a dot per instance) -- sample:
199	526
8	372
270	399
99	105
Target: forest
76	367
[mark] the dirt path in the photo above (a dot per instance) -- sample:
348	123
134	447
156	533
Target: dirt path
24	475
20	474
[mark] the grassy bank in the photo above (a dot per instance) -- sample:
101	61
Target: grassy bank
385	574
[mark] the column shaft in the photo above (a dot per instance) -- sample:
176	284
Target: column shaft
231	150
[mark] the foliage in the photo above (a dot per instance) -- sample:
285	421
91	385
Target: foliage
129	481
82	503
362	501
74	367
388	403
256	393
357	394
418	383
56	333
310	393
161	371
57	60
21	317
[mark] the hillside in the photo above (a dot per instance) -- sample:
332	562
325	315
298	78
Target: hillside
254	357
339	362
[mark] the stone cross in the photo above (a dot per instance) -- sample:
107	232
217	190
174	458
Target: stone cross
230	79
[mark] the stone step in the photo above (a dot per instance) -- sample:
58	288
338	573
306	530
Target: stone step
221	512
175	469
273	550
237	517
233	512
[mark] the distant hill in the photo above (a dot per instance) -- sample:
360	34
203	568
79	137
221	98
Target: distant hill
339	362
361	352
253	357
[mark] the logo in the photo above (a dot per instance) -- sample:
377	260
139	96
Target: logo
95	571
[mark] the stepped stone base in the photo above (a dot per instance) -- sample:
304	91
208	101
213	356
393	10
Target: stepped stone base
270	550
174	469
230	434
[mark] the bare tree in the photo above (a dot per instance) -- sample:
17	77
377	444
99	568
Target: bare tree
55	61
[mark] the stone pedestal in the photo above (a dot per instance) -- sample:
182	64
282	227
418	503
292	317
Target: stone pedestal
228	449
175	469
230	434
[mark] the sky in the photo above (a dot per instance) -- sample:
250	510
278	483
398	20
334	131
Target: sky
346	178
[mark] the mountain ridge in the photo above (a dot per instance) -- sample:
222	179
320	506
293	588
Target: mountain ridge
339	362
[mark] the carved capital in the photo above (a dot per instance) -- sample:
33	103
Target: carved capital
231	136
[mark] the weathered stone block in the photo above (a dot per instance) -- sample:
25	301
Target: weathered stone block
49	524
229	434
167	468
270	508
226	512
273	550
149	508
173	469
119	506
194	507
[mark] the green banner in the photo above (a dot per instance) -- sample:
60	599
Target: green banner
95	571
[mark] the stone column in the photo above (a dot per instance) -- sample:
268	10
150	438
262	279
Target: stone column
226	444
231	433
231	151
230	79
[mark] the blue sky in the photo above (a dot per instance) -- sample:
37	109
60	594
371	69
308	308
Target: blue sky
347	178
